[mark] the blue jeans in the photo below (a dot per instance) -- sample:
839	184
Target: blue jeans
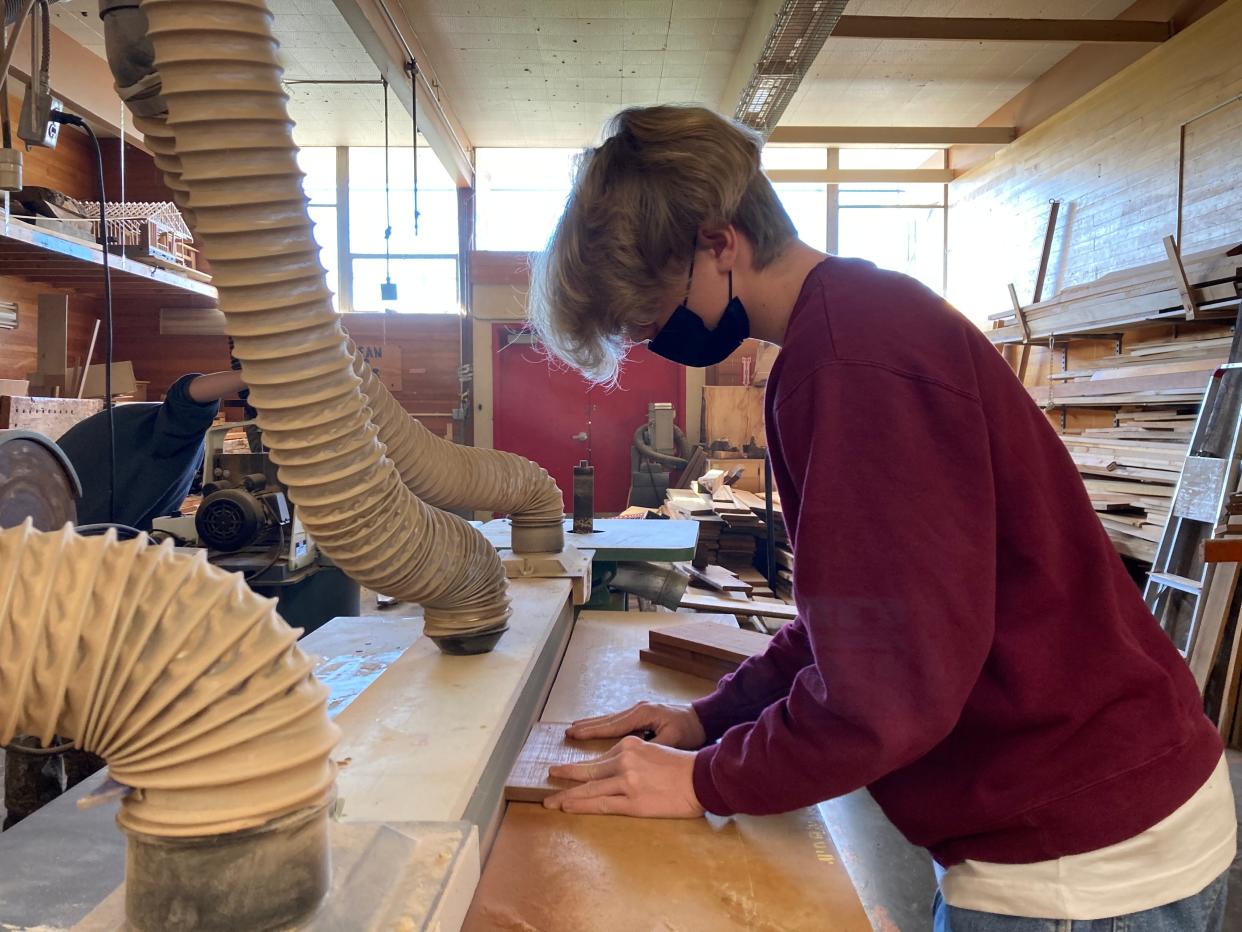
1203	912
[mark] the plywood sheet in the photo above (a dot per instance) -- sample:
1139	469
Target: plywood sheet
733	413
546	746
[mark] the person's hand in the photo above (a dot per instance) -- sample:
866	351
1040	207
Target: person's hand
676	726
635	778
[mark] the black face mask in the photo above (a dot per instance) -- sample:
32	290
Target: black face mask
685	339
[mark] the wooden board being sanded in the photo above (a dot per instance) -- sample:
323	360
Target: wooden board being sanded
545	746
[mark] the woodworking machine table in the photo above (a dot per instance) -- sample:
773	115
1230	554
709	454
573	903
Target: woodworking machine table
559	873
617	539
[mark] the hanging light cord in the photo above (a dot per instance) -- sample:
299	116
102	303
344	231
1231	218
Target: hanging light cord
387	194
414	118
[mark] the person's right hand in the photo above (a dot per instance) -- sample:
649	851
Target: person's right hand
676	726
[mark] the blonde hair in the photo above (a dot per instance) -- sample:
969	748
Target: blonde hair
631	222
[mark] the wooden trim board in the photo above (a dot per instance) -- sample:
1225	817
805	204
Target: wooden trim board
702	602
732	645
545	746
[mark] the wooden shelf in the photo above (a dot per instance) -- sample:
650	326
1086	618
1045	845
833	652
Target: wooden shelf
58	261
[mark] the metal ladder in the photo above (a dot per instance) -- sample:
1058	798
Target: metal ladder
1179	578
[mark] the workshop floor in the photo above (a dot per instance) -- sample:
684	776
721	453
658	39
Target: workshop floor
895	879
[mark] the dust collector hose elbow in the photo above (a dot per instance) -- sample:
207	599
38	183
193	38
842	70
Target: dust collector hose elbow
449	475
186	683
229	144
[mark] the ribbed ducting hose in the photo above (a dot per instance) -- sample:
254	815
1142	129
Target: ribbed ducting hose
188	684
448	475
227	144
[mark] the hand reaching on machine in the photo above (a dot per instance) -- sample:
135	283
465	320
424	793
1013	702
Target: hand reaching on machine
675	726
635	778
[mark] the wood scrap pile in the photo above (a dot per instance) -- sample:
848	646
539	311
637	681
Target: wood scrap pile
1131	472
1147	293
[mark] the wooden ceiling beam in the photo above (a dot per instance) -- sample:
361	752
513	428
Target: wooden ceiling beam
995	29
894	135
863	175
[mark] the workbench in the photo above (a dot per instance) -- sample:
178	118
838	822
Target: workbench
571	873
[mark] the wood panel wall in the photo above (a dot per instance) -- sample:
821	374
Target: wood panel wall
69	168
427	345
17	347
1111	158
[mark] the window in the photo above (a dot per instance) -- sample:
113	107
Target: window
898	227
319	186
422	265
520	194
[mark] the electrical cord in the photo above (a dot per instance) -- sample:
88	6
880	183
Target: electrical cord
109	406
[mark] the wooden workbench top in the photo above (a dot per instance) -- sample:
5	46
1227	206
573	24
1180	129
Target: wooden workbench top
552	872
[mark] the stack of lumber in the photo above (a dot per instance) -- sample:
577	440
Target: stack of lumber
1145	294
702	648
1173	372
1131	468
736	548
784	550
690	505
1131	481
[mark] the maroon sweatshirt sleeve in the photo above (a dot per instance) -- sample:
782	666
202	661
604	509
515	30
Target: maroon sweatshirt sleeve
895	585
757	683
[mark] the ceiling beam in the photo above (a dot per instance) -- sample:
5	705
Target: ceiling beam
390	41
991	29
863	175
894	135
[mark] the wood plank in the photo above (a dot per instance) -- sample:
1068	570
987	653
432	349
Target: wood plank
703	602
545	746
732	645
685	662
719	578
1223	550
49	416
1211	630
893	135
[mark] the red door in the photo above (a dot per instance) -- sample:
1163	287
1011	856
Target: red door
547	412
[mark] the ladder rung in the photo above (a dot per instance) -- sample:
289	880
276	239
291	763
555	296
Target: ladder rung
1172	580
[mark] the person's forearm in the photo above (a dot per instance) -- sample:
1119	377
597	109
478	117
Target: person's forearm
216	385
757	683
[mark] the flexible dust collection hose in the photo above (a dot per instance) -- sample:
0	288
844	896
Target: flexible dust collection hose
449	475
186	683
227	114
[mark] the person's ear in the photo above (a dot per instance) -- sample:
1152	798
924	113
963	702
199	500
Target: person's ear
723	245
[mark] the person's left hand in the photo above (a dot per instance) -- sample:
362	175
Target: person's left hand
635	778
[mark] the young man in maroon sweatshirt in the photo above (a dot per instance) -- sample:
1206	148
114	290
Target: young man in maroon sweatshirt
968	645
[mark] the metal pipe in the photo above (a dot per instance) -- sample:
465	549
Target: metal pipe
661	583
